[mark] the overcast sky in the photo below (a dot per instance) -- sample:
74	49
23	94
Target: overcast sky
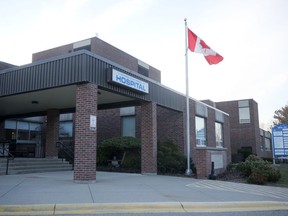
251	35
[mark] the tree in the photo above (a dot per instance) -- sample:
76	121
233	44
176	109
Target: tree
281	116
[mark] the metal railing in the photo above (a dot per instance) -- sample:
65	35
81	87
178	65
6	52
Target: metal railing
66	151
4	152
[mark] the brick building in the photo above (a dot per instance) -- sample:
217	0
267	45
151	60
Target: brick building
108	93
246	136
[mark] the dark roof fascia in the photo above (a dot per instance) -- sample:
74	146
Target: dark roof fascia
79	52
174	98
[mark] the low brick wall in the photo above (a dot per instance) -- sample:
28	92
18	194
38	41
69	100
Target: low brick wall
203	157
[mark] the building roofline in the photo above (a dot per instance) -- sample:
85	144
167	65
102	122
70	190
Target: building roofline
54	58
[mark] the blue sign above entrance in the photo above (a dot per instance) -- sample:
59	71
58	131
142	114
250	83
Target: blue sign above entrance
127	81
280	140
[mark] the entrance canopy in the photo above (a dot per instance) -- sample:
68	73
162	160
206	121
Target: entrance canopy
51	84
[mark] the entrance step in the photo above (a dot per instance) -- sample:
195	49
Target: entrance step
33	165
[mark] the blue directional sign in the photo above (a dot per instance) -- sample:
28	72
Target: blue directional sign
280	140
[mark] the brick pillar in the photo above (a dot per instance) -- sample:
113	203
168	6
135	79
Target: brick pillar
85	136
52	133
149	138
202	162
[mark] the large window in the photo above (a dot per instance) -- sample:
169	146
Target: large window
265	140
66	125
143	68
244	111
267	144
128	121
200	127
219	134
128	126
66	129
23	131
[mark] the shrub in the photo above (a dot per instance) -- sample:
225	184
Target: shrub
257	178
274	175
170	160
258	170
132	161
116	147
251	162
245	152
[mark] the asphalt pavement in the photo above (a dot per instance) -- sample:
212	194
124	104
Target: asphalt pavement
56	193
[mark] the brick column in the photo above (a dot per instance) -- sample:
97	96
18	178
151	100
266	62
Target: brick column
52	133
85	137
202	162
149	138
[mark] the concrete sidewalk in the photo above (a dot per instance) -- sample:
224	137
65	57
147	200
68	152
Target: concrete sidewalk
56	193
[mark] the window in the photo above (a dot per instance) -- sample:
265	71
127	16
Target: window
143	71
127	111
265	140
143	68
128	126
84	44
128	121
219	134
262	143
66	125
66	129
267	144
219	116
201	110
23	131
66	117
200	128
244	111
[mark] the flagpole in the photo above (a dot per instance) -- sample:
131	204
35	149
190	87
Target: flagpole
188	170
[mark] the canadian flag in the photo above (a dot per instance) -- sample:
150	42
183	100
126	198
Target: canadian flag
196	44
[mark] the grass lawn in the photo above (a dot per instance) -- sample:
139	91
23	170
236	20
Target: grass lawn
283	182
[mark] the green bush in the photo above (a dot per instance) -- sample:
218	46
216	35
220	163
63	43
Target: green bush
116	147
274	175
170	160
231	167
257	178
258	170
132	162
245	152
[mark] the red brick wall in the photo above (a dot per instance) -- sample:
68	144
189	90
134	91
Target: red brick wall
155	74
114	54
108	124
200	160
201	156
85	138
149	137
203	160
227	144
52	133
170	126
103	49
242	135
52	52
211	137
192	126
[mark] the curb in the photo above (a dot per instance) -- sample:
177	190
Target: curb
158	207
42	209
